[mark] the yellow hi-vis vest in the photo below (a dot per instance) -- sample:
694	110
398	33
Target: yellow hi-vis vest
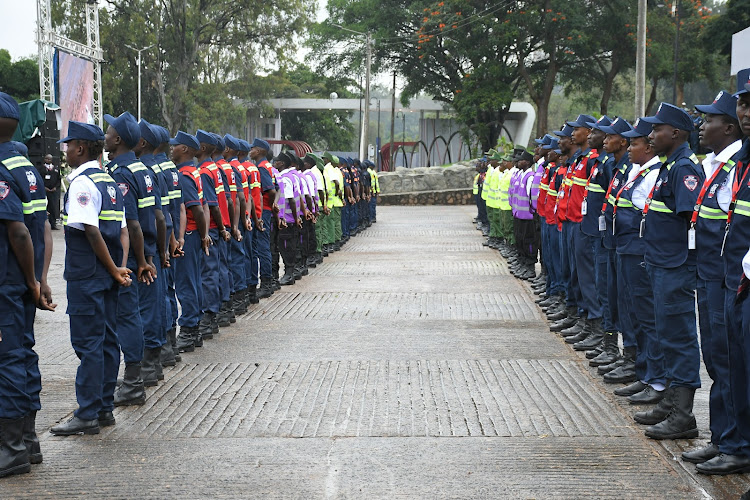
503	188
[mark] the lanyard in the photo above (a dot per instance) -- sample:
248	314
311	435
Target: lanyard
609	191
653	190
593	174
735	189
642	173
702	194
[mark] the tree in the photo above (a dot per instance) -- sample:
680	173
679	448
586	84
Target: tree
433	45
20	79
203	50
735	17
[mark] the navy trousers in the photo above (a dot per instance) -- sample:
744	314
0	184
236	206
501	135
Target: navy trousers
374	204
674	310
736	439
555	284
92	308
150	304
211	275
129	326
250	261
14	400
715	348
585	257
567	253
188	281
263	247
33	377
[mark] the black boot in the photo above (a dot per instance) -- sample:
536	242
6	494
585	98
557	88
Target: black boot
239	304
575	329
657	413
625	373
288	278
266	288
172	339
185	339
30	438
224	316
631	389
232	311
148	366
205	328
252	295
166	354
131	391
14	458
610	350
680	423
596	335
701	454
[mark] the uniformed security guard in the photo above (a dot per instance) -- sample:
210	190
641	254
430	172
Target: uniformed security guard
374	191
95	235
194	240
262	235
721	133
734	448
671	265
255	201
120	138
19	286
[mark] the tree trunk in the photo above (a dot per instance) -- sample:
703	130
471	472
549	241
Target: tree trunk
609	83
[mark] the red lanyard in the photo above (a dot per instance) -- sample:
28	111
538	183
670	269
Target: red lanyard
609	191
702	194
653	190
642	173
593	173
735	189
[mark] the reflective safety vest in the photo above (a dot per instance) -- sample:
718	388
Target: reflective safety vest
475	186
374	182
331	174
503	189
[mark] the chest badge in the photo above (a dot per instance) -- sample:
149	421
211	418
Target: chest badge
691	182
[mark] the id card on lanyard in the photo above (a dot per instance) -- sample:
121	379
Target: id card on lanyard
698	204
735	189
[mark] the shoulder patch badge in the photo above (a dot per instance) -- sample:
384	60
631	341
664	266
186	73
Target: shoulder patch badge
83	199
4	190
691	182
124	188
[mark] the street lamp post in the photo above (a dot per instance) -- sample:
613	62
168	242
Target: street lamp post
377	137
676	14
403	130
366	120
139	74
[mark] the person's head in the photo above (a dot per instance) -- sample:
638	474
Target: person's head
85	143
207	144
565	142
596	135
553	156
640	149
672	127
9	116
231	147
48	158
614	142
184	147
581	128
259	149
122	135
244	149
281	162
163	135
720	127
308	162
150	139
743	100
524	160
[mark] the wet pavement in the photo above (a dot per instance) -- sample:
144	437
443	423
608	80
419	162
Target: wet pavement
409	364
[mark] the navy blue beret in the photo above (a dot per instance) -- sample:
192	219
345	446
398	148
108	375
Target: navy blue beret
186	140
8	107
126	126
83	132
669	114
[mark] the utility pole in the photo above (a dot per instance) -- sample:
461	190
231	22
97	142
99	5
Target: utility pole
640	61
393	123
366	124
676	12
139	74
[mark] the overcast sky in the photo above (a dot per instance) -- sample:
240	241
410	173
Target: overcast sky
18	35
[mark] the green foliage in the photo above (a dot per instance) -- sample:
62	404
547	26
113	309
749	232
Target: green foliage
735	17
207	53
20	79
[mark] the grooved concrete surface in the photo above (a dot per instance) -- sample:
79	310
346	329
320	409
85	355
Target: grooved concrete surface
410	364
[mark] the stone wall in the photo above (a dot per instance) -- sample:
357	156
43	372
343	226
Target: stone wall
428	185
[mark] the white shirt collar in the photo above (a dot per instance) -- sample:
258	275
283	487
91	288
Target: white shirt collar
713	160
89	164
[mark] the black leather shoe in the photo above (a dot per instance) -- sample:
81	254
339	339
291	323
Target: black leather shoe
648	396
631	389
106	419
76	426
723	464
621	375
701	454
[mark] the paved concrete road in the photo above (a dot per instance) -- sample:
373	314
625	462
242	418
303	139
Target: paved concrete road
410	364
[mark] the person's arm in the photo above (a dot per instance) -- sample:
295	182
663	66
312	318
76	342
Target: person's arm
200	220
125	242
120	274
337	188
254	215
23	249
144	273
161	237
45	292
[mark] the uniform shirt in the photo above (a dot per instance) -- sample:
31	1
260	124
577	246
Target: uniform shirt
640	193
85	211
161	180
267	184
253	180
210	196
289	191
191	189
172	177
11	209
675	193
320	183
712	162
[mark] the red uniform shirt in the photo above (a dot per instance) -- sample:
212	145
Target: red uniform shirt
209	168
253	180
193	175
268	197
579	178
